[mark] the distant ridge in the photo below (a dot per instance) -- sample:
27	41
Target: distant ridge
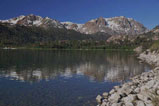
112	26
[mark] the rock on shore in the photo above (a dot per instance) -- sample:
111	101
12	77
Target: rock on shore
150	57
143	90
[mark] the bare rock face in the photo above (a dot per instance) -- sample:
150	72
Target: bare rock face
138	49
113	26
98	25
156	29
72	26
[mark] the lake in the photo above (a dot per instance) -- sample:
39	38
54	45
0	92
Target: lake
62	78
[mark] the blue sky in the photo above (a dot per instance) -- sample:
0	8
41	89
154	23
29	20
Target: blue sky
80	11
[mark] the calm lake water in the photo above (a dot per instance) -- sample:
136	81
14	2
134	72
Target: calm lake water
62	78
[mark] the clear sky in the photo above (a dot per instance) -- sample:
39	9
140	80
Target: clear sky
80	11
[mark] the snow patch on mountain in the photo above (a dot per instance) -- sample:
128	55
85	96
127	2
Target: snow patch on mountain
71	25
113	26
116	26
13	20
33	20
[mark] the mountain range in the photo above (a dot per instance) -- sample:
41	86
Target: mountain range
101	33
112	26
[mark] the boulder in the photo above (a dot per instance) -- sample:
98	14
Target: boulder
105	95
125	89
140	103
116	87
129	104
112	91
116	104
104	104
137	90
150	84
138	49
130	98
144	96
99	99
157	92
114	98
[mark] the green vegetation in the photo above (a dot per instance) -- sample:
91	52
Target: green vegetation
37	37
155	46
54	38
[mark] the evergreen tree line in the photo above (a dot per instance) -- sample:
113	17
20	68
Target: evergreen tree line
38	37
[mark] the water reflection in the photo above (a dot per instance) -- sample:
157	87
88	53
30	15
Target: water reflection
34	65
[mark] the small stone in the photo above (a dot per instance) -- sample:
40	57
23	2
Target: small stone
138	49
104	104
125	89
114	98
132	87
141	97
123	95
112	91
116	87
149	104
116	104
105	95
137	90
157	92
156	86
99	99
157	68
129	104
150	84
150	75
140	103
129	99
144	96
104	100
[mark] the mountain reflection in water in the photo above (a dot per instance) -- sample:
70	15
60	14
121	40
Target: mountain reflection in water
33	65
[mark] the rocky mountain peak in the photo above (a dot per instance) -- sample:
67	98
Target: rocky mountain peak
30	20
101	21
34	20
113	26
156	29
71	25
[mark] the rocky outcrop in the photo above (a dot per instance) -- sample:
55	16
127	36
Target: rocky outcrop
142	90
156	29
150	57
138	49
72	26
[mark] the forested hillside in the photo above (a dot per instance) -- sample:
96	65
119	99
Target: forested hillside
18	36
62	38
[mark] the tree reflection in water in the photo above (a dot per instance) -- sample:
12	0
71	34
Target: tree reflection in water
34	65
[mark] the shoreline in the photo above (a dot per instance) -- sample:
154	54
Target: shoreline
27	48
142	90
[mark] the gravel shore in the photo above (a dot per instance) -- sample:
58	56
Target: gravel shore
142	90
